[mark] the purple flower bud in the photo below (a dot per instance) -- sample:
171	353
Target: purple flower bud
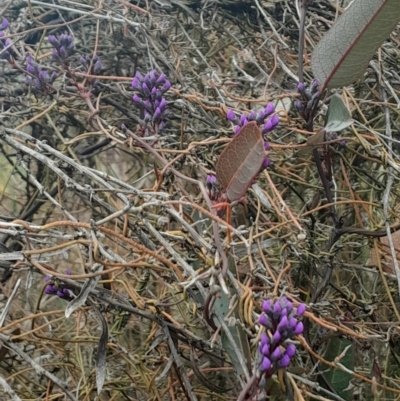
236	129
211	180
267	146
251	116
53	41
300	86
283	324
266	163
163	104
230	115
292	323
261	116
271	123
243	120
264	339
161	80
290	350
68	272
145	89
263	320
97	67
265	350
157	115
269	109
301	310
284	362
277	308
4	24
47	279
266	306
299	328
30	69
136	99
62	51
53	76
166	86
276	354
265	364
139	76
299	106
276	337
314	86
161	126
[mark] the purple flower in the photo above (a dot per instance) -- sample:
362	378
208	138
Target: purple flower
285	361
301	309
63	46
269	109
281	321
271	124
40	79
151	88
290	350
230	115
265	364
4	24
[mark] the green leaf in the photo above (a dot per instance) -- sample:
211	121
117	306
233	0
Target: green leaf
343	53
338	117
340	380
241	344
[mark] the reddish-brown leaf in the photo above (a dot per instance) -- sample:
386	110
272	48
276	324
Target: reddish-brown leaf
241	161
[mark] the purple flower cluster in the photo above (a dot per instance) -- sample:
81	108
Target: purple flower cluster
309	99
63	46
4	42
54	288
96	63
269	125
39	78
151	89
281	321
264	116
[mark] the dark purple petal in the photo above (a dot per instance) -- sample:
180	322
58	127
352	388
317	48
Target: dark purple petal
266	306
269	109
266	350
301	310
251	116
299	328
263	320
265	364
276	337
230	115
266	163
136	99
276	354
163	104
211	180
292	323
264	339
290	350
166	86
277	308
284	362
243	120
283	324
53	40
4	24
